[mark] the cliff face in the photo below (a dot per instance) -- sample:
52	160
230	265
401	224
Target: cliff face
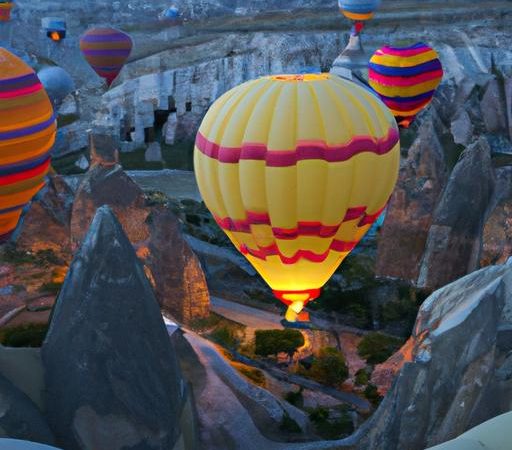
456	371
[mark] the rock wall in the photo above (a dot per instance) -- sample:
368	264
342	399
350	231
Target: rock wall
456	366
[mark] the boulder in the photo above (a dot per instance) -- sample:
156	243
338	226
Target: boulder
112	377
497	232
82	163
47	223
493	108
153	153
508	101
452	371
180	283
170	129
19	417
24	369
109	185
462	129
453	244
409	216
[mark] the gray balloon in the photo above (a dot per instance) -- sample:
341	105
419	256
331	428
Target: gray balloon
57	82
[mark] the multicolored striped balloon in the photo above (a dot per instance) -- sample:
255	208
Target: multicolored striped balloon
106	50
5	10
358	10
295	169
405	78
27	134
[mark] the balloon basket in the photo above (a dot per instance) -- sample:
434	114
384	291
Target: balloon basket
297	325
302	323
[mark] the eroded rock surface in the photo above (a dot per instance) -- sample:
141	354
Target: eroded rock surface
112	377
456	367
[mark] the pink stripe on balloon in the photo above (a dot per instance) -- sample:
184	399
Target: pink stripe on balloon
23	91
305	150
406	106
403	52
303	228
273	250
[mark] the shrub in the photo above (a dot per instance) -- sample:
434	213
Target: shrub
361	377
319	414
330	429
273	342
50	287
372	394
224	336
207	323
377	347
255	375
295	398
329	367
289	425
27	335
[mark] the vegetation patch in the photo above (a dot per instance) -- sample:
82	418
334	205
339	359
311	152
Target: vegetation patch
44	258
52	287
372	394
273	342
289	425
27	335
65	165
66	119
328	367
331	426
251	373
295	398
362	377
376	347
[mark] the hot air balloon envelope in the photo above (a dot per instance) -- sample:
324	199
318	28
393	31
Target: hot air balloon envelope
106	50
54	27
5	11
405	78
27	134
57	83
295	169
171	13
359	10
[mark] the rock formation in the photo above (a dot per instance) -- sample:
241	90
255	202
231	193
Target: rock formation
497	233
178	279
19	417
107	184
46	225
112	378
453	244
405	231
180	284
456	367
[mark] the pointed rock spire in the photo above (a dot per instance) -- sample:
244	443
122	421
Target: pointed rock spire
112	377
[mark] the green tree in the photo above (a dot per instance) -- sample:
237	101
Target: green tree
361	377
377	347
273	342
329	367
372	394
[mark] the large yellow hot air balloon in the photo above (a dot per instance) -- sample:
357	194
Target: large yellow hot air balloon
295	169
